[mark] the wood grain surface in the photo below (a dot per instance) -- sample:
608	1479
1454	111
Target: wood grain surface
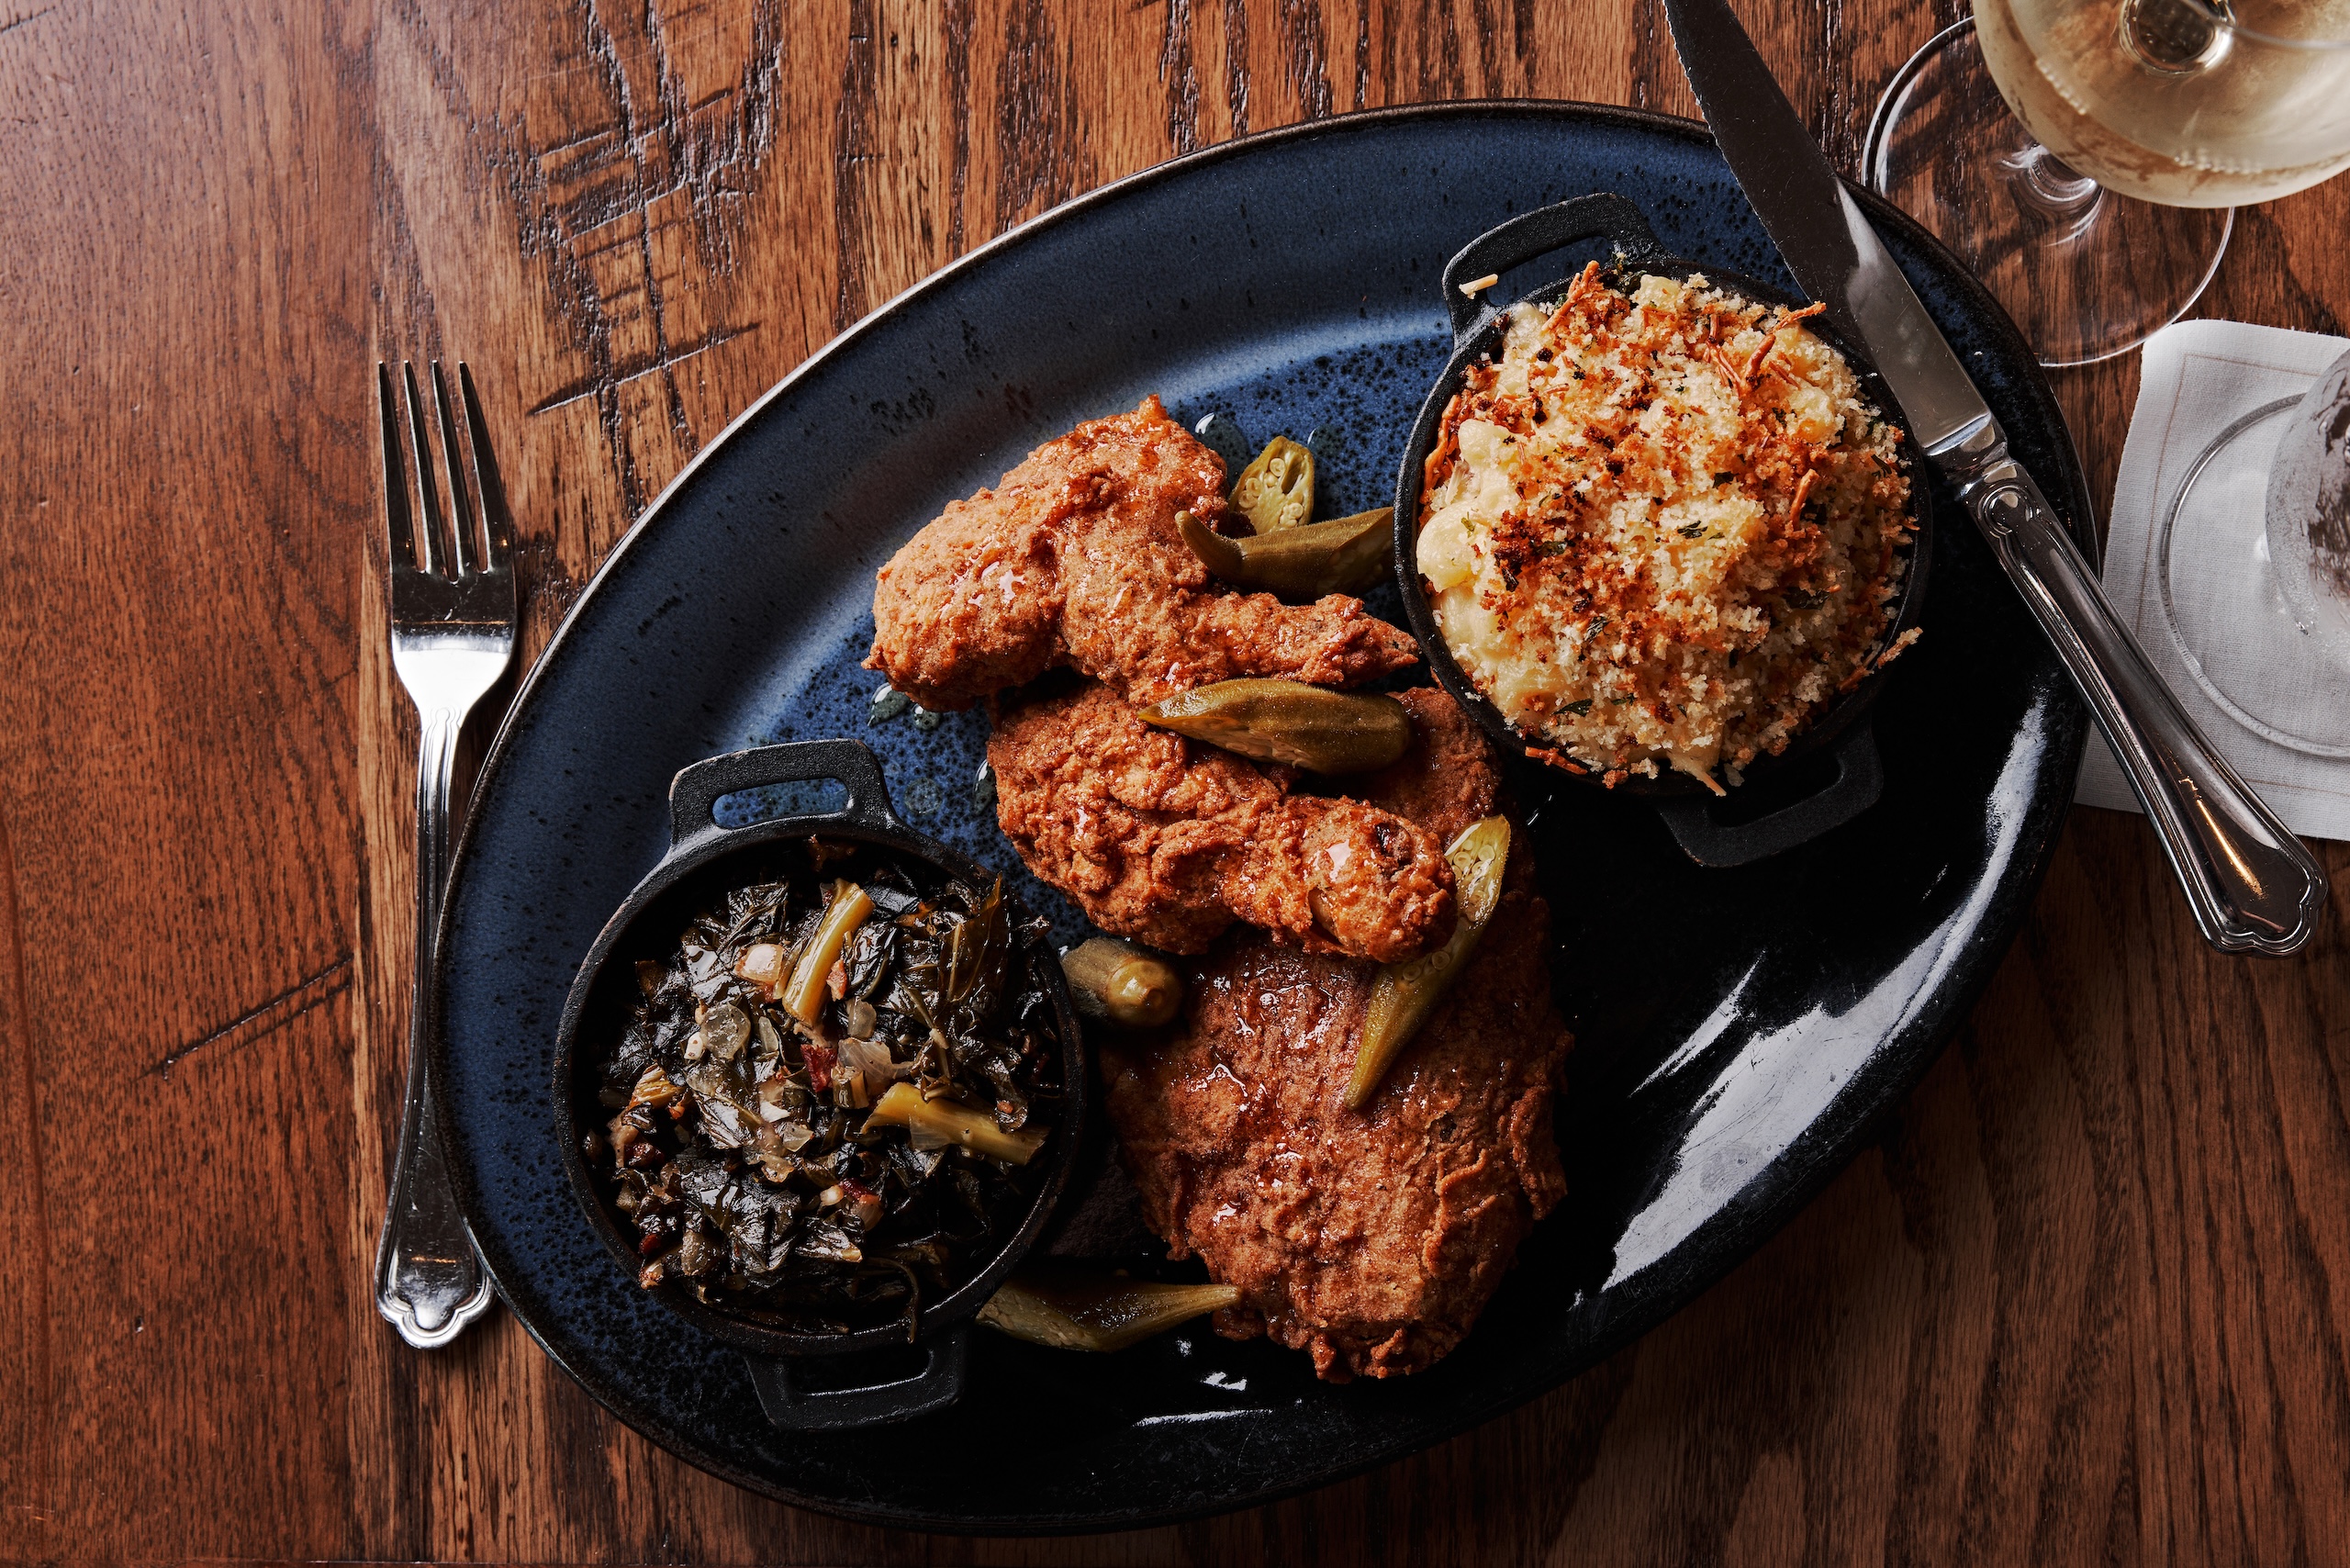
2085	1299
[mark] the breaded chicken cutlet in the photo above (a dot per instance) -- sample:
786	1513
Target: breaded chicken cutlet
1073	559
1369	1239
1169	840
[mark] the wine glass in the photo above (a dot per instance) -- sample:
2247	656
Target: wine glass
2249	561
2084	157
2309	513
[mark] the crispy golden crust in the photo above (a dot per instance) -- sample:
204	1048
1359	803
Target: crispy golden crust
1664	527
1370	1239
1073	558
1168	841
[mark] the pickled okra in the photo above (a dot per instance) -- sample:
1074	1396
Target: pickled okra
1072	1307
1311	727
1346	555
1276	489
1404	994
1122	983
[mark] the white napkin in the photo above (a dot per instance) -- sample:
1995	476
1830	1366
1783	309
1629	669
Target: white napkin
2196	378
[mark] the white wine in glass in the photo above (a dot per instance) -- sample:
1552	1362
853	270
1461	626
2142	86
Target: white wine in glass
2084	157
2183	102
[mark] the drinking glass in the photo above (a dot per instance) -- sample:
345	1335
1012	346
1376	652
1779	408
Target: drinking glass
2250	565
2084	157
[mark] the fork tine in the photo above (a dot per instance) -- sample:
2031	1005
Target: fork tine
490	493
396	519
431	532
466	537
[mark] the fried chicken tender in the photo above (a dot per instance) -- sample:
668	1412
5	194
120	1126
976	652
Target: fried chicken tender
1168	841
1370	1239
1073	559
1447	781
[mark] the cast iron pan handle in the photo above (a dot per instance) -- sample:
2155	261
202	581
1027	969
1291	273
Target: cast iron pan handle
1710	842
793	1408
1531	234
695	792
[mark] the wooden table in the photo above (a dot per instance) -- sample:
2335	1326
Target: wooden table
2087	1298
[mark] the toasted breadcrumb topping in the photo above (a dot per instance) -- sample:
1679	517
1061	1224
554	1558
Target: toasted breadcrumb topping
1664	527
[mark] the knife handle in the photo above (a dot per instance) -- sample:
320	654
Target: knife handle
2254	885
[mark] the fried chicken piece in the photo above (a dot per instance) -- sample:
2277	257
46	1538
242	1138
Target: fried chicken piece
1447	781
1073	559
1369	1239
1168	841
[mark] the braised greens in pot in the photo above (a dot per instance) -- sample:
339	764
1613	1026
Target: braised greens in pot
825	1105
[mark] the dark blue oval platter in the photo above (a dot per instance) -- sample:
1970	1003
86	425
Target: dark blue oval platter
1738	1029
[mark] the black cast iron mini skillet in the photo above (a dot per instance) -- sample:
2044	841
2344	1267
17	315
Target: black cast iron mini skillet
704	861
1829	773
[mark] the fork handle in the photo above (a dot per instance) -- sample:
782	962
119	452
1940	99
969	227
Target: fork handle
430	1282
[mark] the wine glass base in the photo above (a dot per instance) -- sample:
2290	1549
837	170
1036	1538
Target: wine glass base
2087	273
2223	603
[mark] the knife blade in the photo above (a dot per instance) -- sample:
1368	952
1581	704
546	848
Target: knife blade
2254	885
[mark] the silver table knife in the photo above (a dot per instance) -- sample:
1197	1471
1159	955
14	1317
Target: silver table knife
2255	887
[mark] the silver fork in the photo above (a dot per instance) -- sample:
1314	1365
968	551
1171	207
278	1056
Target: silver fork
452	637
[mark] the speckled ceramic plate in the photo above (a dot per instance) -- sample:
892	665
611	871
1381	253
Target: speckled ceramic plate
1738	1029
